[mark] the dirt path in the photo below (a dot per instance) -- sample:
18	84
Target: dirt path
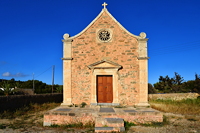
33	124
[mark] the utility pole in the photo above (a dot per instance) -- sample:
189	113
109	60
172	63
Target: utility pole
53	67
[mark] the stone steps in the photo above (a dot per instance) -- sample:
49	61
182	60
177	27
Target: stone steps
109	124
107	119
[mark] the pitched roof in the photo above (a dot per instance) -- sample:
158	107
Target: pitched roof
141	36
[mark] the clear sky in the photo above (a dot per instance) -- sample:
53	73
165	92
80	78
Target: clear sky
31	32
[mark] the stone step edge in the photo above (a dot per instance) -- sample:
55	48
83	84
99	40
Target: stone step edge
120	129
109	122
114	120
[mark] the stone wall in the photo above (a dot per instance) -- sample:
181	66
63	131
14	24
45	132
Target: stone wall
121	49
173	96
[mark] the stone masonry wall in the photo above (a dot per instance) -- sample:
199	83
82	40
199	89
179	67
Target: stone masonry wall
122	49
173	96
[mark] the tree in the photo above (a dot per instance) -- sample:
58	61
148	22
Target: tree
40	87
169	85
27	84
59	89
177	83
188	86
164	84
197	83
178	79
151	89
7	90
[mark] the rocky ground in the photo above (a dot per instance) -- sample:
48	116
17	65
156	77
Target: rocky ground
175	124
33	124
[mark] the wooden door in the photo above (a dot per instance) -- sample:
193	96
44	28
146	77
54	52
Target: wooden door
104	89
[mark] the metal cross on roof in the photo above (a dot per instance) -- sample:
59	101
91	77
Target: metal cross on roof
104	5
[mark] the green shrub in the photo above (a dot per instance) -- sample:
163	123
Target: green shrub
2	126
127	124
83	104
75	125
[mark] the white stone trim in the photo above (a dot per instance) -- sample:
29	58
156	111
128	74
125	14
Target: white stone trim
67	59
105	71
114	65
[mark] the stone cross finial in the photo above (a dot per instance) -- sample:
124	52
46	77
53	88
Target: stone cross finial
104	5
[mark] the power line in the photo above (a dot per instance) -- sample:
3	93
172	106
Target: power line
43	72
175	48
178	45
160	52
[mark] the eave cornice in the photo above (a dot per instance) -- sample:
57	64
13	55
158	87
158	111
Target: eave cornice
143	58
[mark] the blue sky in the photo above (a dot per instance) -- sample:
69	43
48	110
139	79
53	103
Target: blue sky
31	32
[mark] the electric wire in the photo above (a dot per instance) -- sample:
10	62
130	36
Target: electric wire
174	48
182	44
163	50
43	72
172	51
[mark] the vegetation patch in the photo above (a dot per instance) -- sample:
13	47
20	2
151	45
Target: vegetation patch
191	118
175	85
185	106
2	126
127	124
26	117
27	111
70	105
12	87
157	124
83	104
120	106
75	125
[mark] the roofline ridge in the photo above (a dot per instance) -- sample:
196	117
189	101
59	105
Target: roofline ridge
89	24
123	28
106	10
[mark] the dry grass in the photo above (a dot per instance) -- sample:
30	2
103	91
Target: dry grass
30	119
27	111
185	107
25	117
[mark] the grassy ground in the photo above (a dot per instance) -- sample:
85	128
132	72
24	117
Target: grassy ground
184	107
30	119
27	110
25	117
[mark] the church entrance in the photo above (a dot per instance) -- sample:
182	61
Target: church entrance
104	88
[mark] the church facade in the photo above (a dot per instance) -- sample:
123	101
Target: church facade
105	64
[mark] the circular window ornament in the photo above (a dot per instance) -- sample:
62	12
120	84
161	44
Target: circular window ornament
104	35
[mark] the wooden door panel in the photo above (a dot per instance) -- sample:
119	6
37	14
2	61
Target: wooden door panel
109	89
100	89
104	89
109	79
101	94
100	79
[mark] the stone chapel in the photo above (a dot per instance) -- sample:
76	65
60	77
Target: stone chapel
105	64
